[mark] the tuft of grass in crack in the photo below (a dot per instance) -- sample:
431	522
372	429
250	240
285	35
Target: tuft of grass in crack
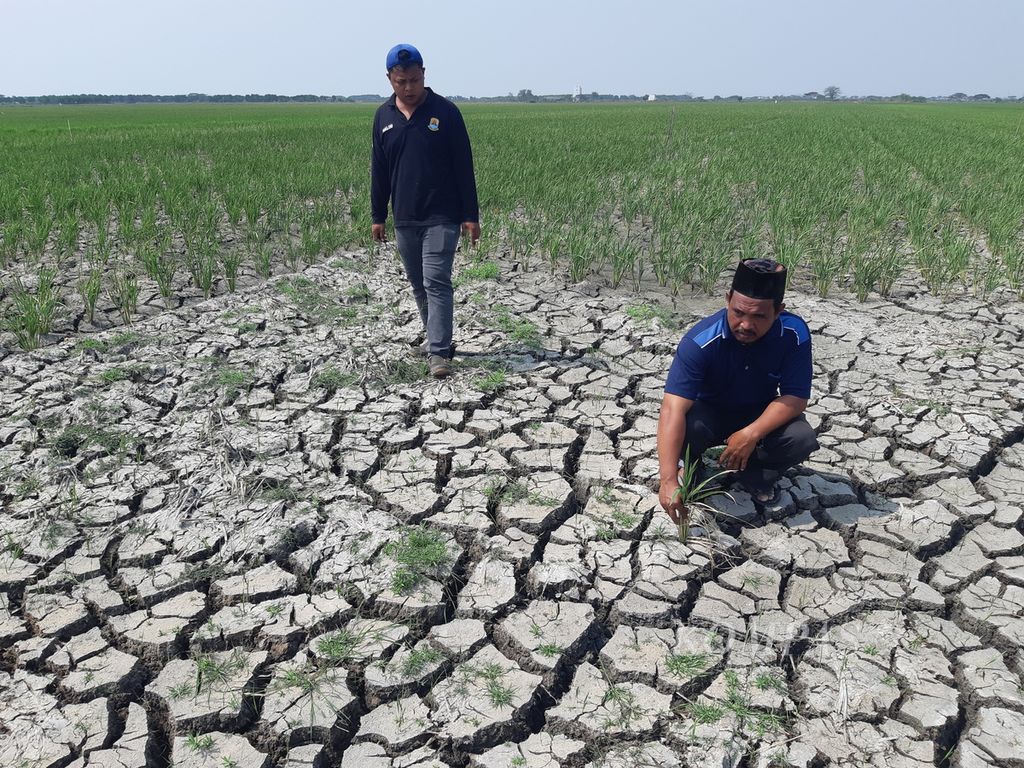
419	553
316	303
333	378
686	664
498	693
645	313
769	681
514	492
517	328
480	270
549	650
77	436
338	647
491	381
198	743
418	660
623	700
705	714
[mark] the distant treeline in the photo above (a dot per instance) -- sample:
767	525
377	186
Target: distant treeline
524	95
178	98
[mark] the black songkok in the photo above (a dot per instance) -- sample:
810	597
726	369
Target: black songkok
760	279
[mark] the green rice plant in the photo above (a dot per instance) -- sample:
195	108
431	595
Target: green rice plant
89	288
625	258
33	311
1013	266
206	270
10	244
261	256
230	260
693	494
715	257
826	259
987	273
68	234
890	261
578	244
37	234
161	265
865	271
124	293
944	261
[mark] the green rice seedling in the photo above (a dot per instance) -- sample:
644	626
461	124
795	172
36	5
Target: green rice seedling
890	261
1013	266
230	260
987	274
552	244
826	261
579	250
715	257
261	256
865	270
33	312
693	494
68	234
625	254
206	274
944	261
37	235
124	293
89	288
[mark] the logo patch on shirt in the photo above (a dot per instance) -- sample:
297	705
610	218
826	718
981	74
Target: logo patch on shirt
434	124
387	128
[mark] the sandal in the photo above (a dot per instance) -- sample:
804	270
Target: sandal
765	495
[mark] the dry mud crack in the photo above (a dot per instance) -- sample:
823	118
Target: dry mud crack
251	533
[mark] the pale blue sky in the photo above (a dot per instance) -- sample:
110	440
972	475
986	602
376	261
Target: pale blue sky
747	47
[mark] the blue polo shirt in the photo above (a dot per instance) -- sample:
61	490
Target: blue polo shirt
423	165
712	366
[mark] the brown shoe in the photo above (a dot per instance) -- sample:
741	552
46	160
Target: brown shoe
439	366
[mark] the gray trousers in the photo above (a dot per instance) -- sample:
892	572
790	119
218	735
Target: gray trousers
428	254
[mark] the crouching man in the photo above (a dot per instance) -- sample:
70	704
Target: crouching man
741	378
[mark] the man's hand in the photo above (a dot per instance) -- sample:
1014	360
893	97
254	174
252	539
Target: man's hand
380	233
472	228
668	496
738	448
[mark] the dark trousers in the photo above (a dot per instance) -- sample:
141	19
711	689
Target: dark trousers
427	255
708	425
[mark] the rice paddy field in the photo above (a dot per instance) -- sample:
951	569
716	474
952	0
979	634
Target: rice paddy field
112	206
240	525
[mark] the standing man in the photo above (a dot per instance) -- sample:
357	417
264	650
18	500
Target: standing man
423	164
741	377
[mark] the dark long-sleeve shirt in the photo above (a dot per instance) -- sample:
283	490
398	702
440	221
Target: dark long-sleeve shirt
423	165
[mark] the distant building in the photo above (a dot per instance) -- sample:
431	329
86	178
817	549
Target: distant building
651	97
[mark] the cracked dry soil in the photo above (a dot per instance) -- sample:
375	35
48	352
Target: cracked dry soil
245	535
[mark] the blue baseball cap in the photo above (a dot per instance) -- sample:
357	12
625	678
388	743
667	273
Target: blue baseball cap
403	55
